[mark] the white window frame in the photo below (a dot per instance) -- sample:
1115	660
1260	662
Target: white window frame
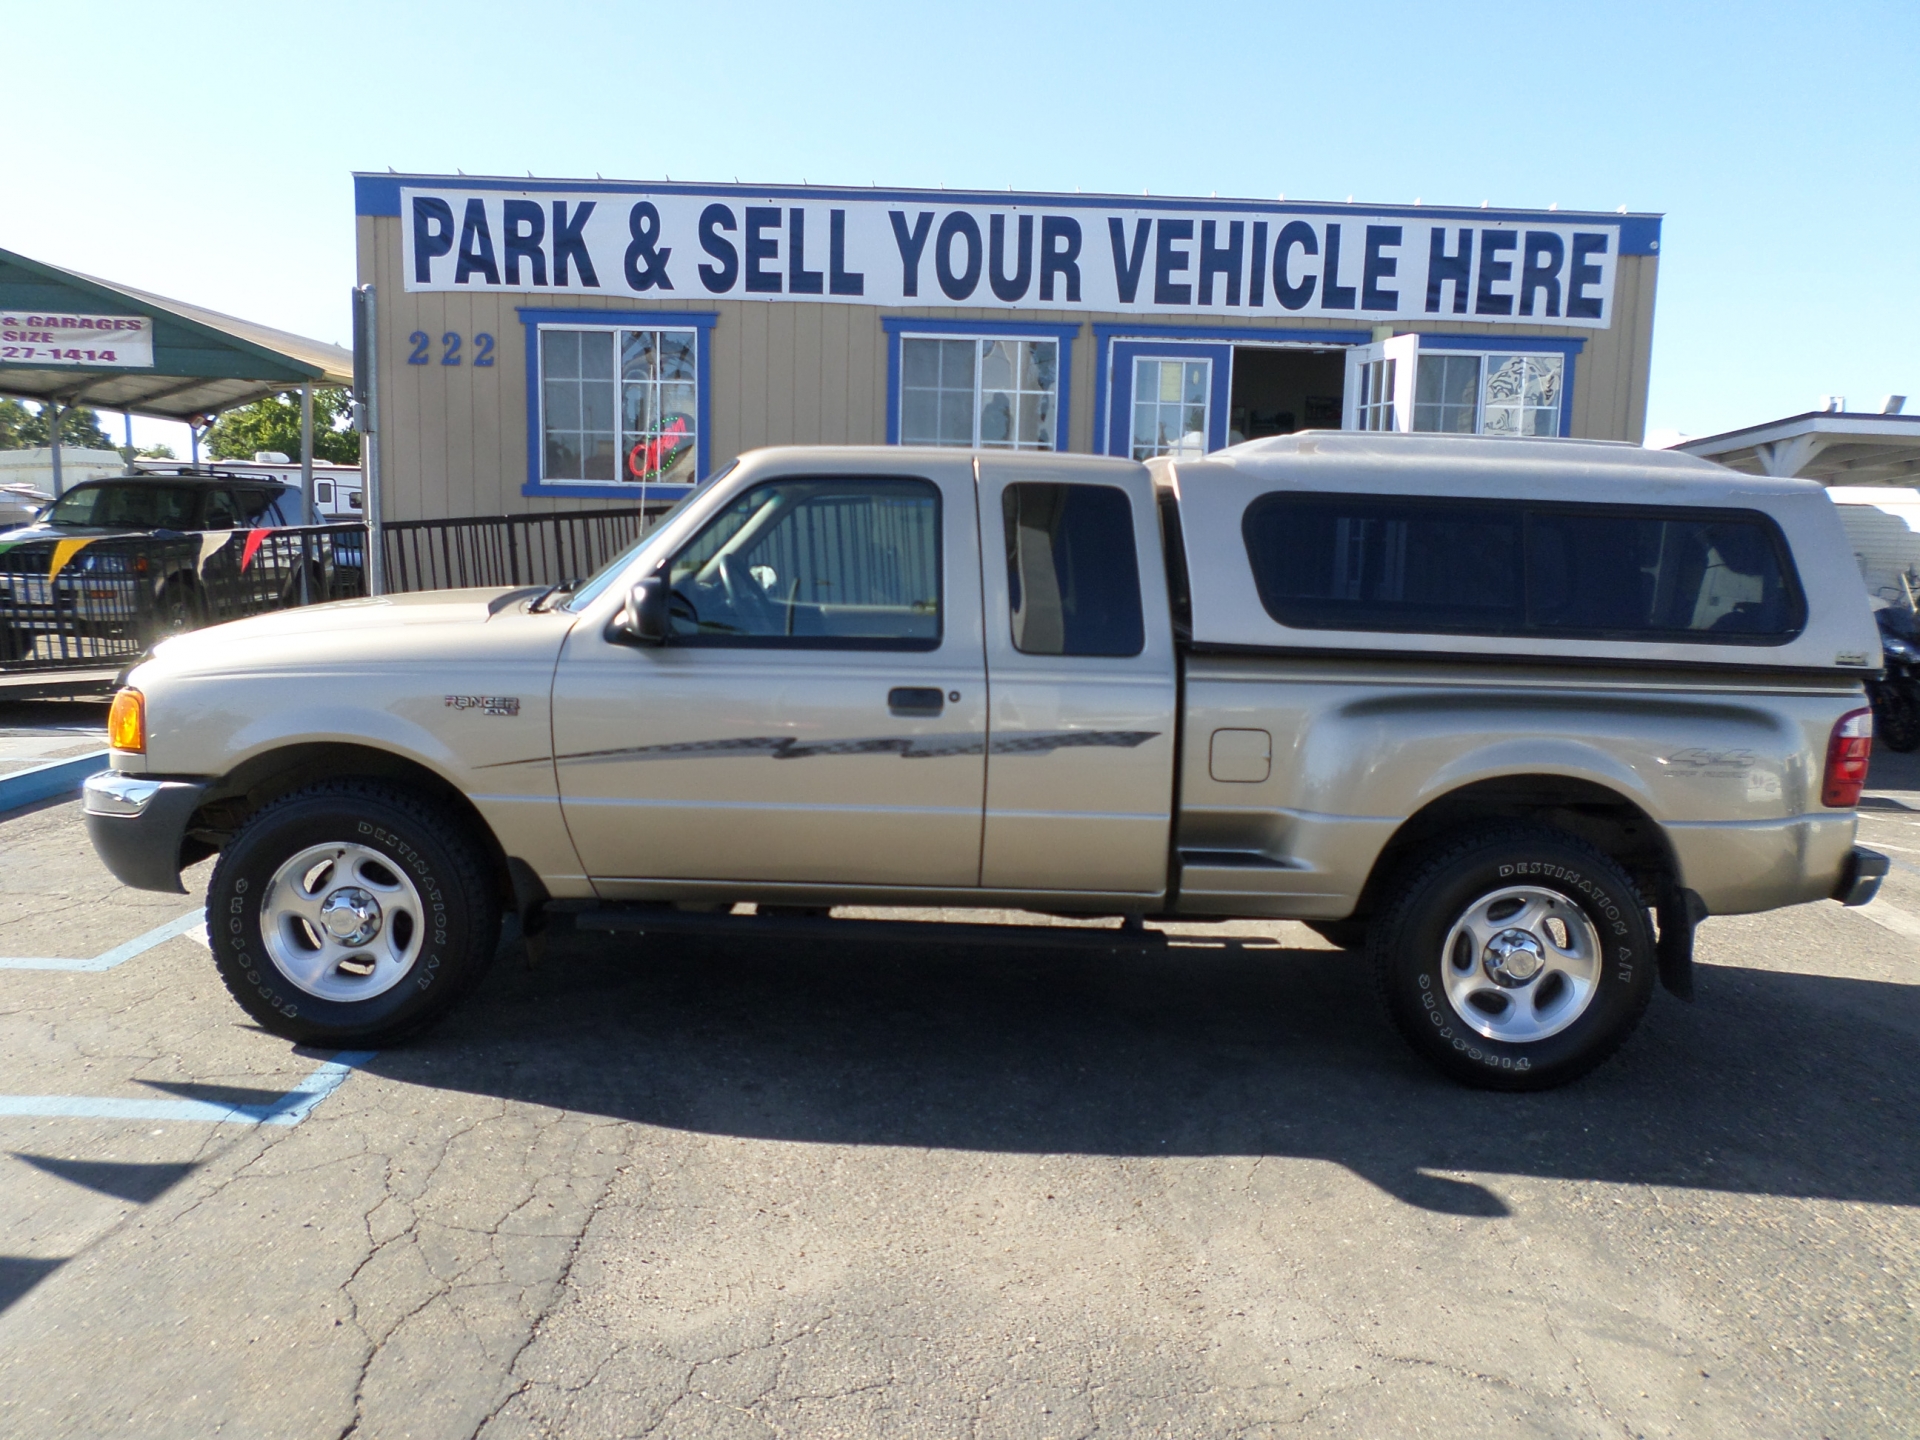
1480	385
1015	446
1178	449
618	383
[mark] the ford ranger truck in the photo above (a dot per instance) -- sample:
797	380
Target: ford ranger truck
1504	718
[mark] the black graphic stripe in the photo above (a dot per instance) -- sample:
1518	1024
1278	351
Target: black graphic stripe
907	747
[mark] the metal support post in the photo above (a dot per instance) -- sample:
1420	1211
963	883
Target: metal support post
366	396
51	409
307	516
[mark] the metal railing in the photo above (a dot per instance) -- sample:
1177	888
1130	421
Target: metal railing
81	604
505	549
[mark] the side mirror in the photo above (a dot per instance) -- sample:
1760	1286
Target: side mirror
643	619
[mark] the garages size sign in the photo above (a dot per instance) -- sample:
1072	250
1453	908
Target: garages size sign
39	338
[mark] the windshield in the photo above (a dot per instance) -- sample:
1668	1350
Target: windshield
132	507
595	585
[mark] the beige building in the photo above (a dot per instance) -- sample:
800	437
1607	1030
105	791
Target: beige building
566	344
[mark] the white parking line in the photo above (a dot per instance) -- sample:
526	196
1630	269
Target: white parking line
119	955
289	1109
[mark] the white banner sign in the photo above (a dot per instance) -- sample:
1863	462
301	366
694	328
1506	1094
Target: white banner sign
31	338
1364	267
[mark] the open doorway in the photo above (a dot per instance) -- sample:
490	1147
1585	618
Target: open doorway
1277	390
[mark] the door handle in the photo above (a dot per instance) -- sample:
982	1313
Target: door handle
915	700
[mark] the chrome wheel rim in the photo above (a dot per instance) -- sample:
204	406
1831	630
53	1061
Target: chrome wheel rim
1521	963
341	922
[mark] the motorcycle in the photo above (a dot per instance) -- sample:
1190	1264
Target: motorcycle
1895	696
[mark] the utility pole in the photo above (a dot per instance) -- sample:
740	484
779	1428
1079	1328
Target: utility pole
366	414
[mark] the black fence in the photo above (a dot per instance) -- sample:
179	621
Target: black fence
84	604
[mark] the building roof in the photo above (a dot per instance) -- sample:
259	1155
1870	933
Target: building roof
204	361
1835	447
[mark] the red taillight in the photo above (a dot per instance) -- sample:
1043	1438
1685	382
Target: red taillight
1847	753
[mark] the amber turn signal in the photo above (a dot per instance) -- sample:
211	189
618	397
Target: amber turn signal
127	722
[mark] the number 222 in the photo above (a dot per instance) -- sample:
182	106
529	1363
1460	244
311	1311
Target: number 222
450	349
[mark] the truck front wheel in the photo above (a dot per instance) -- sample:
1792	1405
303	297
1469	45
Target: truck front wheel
351	913
1516	958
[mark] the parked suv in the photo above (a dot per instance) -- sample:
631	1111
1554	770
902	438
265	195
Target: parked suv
1505	718
140	573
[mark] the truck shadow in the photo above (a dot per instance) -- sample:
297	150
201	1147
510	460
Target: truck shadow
1772	1083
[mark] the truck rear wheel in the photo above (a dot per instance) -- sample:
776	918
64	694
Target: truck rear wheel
351	913
1516	958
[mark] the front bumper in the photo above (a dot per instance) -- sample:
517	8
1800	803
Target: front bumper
138	826
1860	880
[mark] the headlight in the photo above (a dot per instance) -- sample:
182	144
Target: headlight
1898	649
107	564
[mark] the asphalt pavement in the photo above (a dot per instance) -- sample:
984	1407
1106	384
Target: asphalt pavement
687	1188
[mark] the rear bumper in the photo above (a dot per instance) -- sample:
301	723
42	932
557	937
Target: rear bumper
1860	881
138	826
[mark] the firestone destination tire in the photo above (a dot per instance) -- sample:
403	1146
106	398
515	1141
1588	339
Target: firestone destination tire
351	913
1514	958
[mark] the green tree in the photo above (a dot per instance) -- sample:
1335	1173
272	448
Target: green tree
24	429
274	424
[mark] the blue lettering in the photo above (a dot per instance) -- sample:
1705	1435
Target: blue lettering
1059	254
1540	270
1443	268
1165	291
1334	295
1294	232
800	280
760	219
476	246
646	256
1009	288
1378	267
1126	268
957	286
430	211
1580	305
1494	271
718	278
1257	283
911	245
1220	260
841	281
570	242
524	243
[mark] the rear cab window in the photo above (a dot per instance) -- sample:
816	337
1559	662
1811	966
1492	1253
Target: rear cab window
1413	564
1073	578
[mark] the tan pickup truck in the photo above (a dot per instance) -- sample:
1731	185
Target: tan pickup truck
1510	717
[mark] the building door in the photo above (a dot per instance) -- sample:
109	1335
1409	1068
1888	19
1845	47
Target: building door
1167	397
1381	379
1080	748
819	713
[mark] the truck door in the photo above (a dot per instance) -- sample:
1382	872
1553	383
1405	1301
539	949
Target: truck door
1080	661
819	712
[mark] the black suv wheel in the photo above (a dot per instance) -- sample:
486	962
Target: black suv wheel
1514	958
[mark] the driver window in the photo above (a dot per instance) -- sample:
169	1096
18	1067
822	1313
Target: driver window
220	511
815	563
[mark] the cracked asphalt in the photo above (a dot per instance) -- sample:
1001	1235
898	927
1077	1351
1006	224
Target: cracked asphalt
680	1188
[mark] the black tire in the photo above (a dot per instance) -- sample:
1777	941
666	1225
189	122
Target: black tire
1896	714
428	847
178	608
1411	971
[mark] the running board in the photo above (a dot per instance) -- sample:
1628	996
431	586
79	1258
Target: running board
645	920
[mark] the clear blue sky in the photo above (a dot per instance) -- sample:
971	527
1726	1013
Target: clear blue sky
204	151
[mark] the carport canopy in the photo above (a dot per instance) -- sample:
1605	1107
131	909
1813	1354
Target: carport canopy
201	362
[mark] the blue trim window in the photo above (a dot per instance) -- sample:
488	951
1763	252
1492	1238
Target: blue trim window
616	400
980	385
1170	407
